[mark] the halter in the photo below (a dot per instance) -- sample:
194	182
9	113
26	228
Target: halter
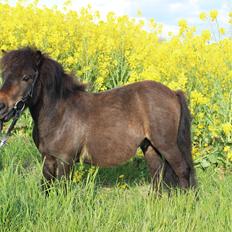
17	110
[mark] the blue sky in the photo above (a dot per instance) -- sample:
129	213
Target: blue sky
167	12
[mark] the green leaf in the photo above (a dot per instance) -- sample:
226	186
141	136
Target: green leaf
205	163
213	159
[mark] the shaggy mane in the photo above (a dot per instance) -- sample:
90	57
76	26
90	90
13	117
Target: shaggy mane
58	83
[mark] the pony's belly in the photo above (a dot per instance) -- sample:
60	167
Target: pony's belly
102	158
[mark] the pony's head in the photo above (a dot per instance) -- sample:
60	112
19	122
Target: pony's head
28	69
19	71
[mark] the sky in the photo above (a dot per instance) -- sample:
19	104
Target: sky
167	12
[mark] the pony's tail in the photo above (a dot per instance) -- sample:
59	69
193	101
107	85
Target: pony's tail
184	144
184	137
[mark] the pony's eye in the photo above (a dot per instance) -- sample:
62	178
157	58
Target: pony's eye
26	77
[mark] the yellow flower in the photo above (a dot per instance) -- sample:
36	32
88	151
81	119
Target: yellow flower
203	16
195	151
198	99
78	176
227	128
213	130
222	31
230	17
79	73
226	149
213	14
229	156
206	35
183	24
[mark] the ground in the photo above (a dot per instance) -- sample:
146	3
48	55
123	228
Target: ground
115	199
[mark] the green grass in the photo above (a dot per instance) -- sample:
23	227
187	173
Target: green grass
102	201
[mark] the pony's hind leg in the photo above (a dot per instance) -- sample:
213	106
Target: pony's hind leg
177	162
155	164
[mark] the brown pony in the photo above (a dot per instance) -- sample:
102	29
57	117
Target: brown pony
103	129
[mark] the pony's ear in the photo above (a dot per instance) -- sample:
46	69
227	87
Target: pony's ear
38	57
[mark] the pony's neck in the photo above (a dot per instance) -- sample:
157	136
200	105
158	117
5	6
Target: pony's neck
42	105
53	86
44	98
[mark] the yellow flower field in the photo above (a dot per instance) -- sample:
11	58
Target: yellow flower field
118	50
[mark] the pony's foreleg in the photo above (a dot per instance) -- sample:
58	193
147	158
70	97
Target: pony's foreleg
54	168
49	172
63	169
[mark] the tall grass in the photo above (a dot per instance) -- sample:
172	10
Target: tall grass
99	201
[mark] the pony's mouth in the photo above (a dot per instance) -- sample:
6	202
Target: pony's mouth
11	110
3	113
7	114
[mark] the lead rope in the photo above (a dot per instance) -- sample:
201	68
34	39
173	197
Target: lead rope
18	110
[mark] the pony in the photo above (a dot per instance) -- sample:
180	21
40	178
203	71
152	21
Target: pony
103	129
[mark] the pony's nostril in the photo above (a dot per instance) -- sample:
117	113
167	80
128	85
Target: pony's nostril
2	105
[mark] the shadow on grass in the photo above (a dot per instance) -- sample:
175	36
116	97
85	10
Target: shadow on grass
132	173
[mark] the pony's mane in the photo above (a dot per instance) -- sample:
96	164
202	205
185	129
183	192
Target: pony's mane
57	82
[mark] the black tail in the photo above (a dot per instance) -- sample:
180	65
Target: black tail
184	144
184	136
